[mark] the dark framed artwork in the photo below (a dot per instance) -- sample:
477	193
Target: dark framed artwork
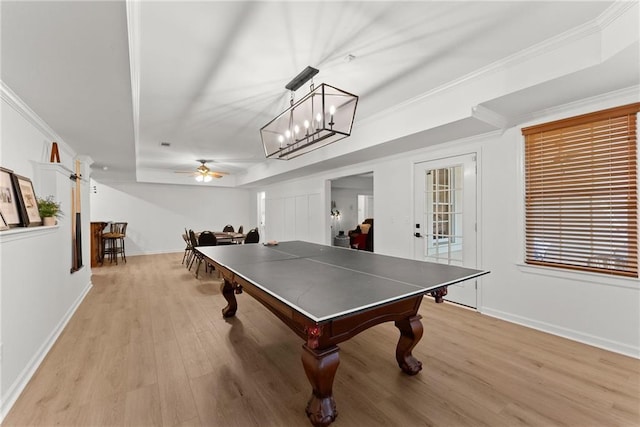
27	202
8	199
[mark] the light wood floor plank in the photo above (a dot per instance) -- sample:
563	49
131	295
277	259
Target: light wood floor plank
107	411
176	399
195	357
143	407
141	364
148	347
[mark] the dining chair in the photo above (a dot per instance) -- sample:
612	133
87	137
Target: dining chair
187	250
191	253
206	238
252	236
241	229
194	253
228	228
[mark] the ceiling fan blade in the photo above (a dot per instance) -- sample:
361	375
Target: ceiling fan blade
203	171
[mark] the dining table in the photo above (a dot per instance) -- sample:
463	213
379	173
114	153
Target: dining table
229	237
222	237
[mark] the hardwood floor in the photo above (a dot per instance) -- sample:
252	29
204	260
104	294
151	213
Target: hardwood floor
148	346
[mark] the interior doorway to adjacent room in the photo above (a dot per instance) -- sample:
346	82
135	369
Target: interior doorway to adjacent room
351	203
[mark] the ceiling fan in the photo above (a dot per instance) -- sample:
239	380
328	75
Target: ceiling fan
203	174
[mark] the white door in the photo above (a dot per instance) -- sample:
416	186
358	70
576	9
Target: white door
445	218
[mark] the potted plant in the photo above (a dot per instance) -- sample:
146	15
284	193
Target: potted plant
49	210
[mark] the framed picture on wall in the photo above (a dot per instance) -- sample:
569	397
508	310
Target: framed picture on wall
8	200
27	202
3	223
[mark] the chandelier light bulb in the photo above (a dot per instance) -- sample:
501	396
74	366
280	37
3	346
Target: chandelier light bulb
199	178
207	178
306	124
287	134
319	117
296	129
332	110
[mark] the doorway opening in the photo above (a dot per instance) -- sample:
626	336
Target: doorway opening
351	204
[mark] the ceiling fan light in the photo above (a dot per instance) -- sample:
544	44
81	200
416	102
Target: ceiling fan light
203	174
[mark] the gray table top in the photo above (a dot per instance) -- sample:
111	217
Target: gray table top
326	282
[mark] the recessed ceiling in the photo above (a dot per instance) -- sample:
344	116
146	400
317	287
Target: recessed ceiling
117	79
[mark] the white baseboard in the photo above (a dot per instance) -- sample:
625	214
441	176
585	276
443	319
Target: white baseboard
12	394
606	344
160	252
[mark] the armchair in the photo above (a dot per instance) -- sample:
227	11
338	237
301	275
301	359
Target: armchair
362	236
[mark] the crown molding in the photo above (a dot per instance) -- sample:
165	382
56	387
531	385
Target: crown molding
618	9
595	26
15	102
633	93
25	111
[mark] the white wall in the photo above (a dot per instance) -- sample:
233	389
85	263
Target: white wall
157	214
596	309
298	210
38	294
36	303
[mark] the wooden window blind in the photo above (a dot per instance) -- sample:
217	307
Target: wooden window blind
581	192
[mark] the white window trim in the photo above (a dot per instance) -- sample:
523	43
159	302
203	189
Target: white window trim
580	276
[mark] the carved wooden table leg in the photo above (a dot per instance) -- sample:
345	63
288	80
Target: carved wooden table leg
410	334
228	293
439	294
320	367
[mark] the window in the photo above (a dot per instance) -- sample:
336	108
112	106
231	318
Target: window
441	200
581	192
444	213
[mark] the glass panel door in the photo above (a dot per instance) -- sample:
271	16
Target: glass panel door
445	216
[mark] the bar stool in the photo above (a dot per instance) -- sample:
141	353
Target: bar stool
113	241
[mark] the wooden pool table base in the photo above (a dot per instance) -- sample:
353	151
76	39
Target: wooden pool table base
320	355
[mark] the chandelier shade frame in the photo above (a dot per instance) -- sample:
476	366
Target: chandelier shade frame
323	116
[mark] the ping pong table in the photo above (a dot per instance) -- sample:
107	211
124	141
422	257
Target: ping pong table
329	294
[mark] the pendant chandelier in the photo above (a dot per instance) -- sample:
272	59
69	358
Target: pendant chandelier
323	116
